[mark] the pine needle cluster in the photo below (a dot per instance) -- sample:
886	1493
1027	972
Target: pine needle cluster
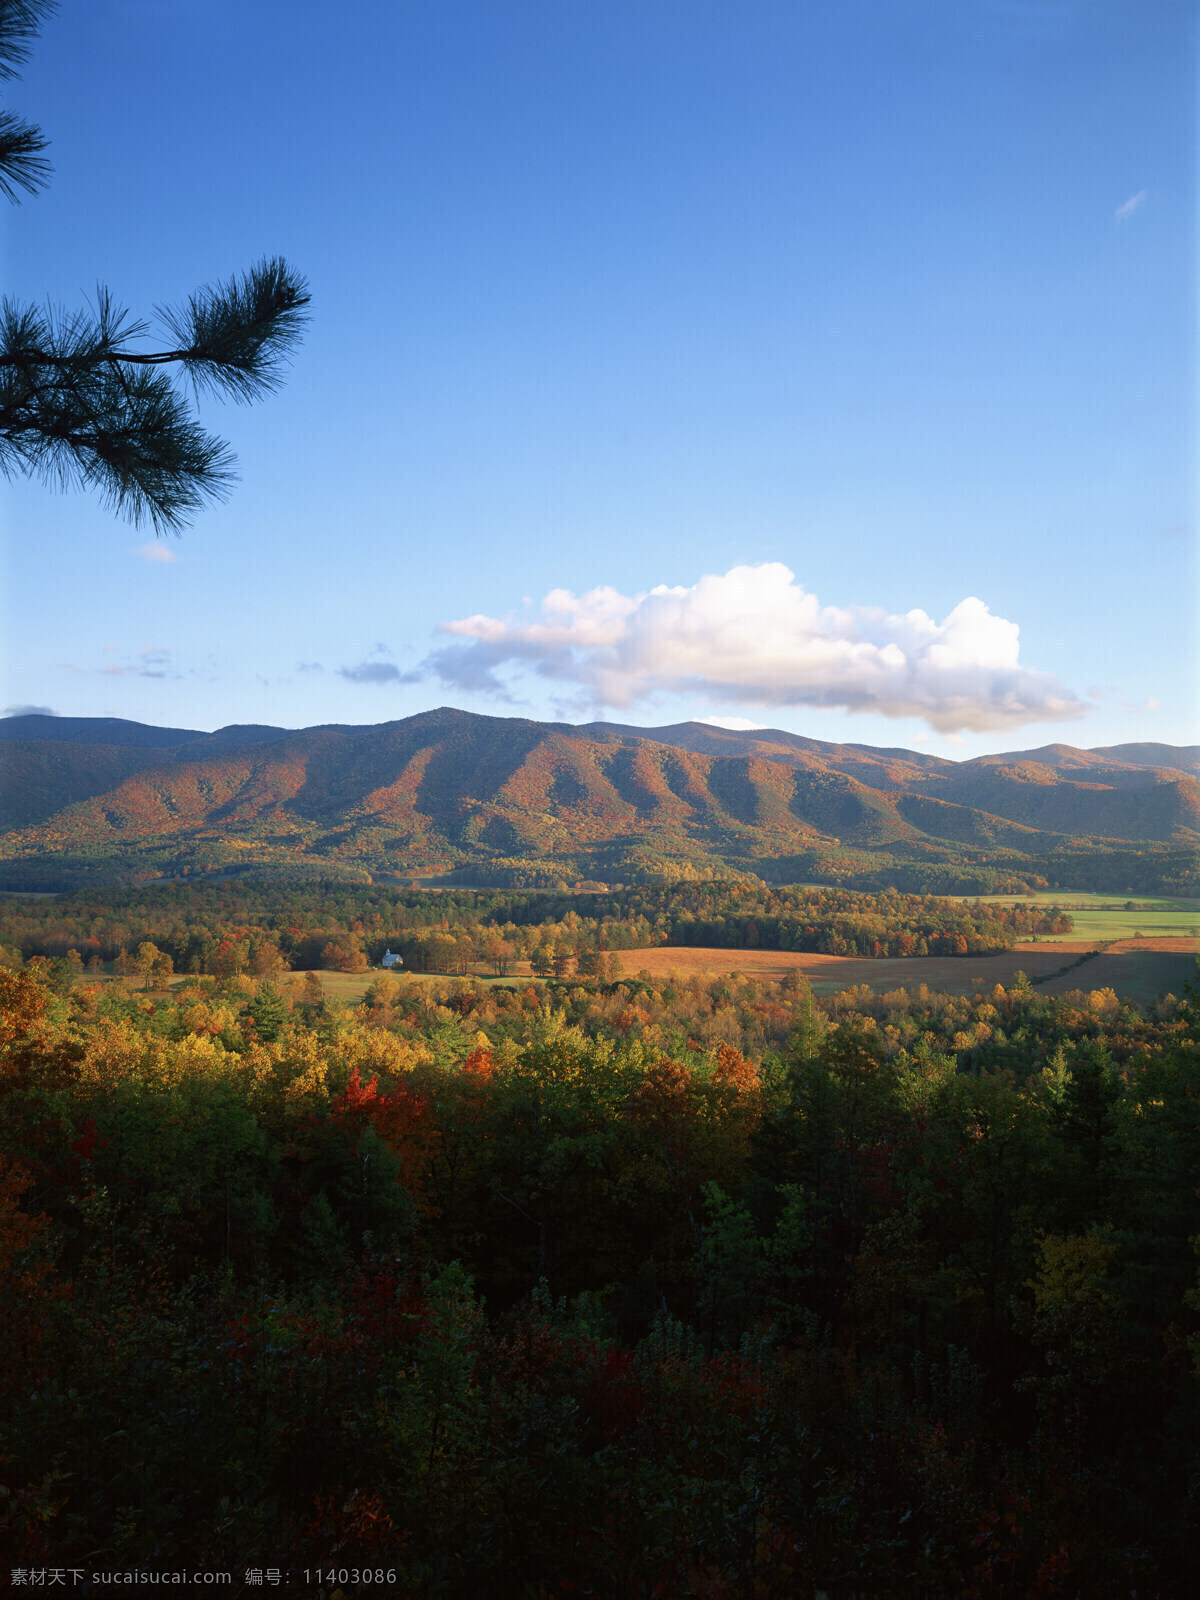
82	405
22	164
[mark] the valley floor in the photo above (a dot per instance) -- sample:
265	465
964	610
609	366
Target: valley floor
1137	969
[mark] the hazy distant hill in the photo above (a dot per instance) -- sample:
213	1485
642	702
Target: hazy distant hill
491	796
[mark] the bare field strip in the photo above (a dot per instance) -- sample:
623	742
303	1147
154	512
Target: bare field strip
1167	944
1136	969
1137	974
828	974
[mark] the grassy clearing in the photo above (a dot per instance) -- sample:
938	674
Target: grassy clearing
1101	918
1091	899
1103	923
349	987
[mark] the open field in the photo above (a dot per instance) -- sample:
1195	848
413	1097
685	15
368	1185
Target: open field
351	986
828	974
1093	900
1138	971
1100	924
348	987
1099	918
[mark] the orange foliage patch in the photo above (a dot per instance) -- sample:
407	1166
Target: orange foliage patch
402	1119
479	1067
731	1067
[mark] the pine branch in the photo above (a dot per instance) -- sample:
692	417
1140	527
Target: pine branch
22	166
20	21
236	337
128	434
77	406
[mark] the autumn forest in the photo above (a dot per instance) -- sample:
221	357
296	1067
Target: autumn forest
520	1270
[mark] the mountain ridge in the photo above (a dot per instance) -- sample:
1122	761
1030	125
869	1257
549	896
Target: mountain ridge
119	731
451	791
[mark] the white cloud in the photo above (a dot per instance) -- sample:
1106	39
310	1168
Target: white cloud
754	636
154	550
734	724
1130	207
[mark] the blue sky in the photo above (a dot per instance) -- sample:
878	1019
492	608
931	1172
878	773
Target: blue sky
829	366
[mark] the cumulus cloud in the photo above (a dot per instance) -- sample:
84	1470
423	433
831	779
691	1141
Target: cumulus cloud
30	711
754	636
1132	206
734	724
155	550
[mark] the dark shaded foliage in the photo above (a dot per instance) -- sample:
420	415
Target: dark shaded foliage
688	1289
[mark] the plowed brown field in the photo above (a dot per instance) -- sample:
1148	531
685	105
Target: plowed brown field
1138	969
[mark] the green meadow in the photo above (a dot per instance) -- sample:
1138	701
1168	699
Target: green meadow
1104	925
349	987
1105	917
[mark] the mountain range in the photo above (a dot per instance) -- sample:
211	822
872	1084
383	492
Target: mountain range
508	800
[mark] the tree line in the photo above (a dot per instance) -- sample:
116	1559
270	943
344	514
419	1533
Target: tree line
262	929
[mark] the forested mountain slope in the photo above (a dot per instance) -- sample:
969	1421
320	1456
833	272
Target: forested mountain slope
1133	792
502	797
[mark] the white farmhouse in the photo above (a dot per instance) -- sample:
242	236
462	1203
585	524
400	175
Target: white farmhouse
389	960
